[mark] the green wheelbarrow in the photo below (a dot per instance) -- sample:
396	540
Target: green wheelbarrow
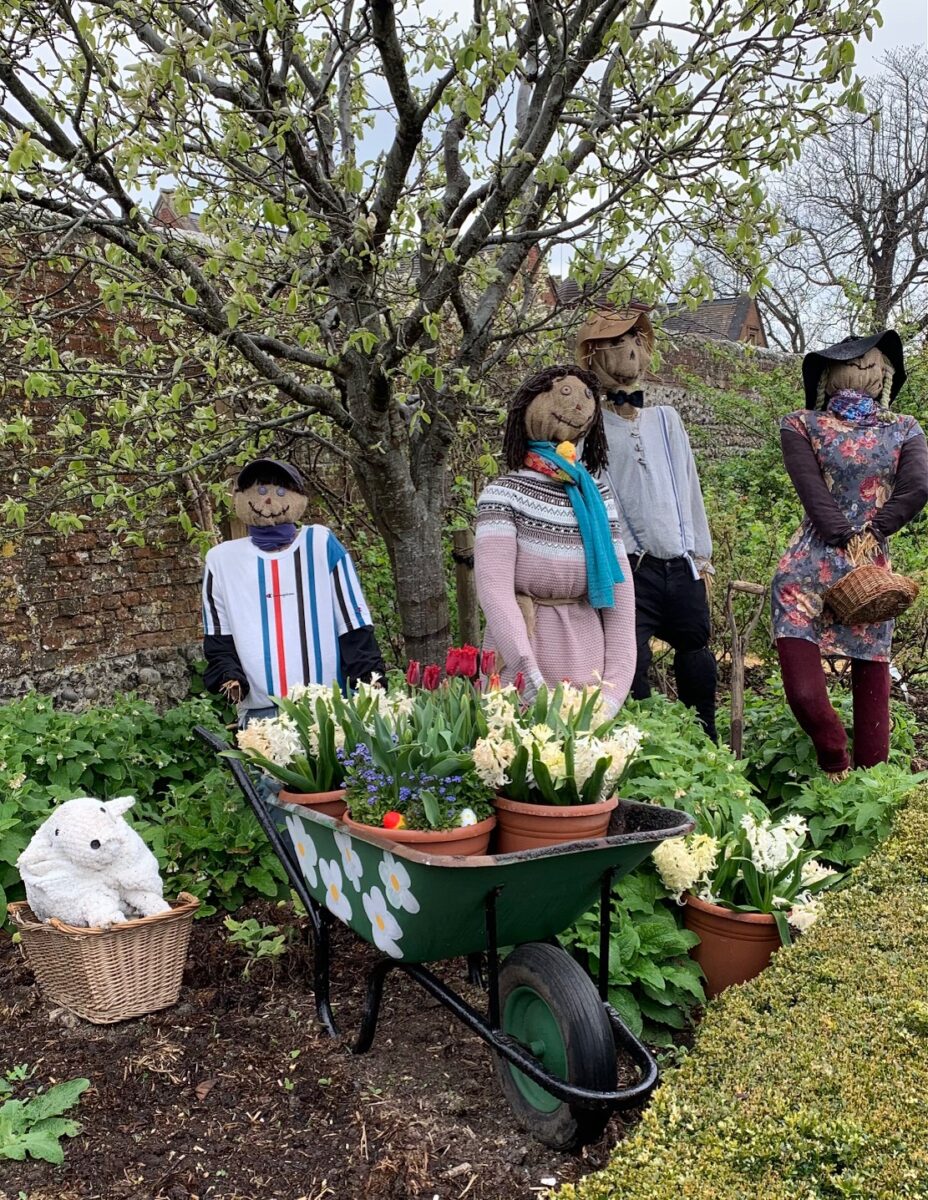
553	1032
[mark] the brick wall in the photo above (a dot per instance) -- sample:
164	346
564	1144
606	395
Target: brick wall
82	625
75	621
715	365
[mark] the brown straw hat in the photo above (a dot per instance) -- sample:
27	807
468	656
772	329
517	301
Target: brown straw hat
607	323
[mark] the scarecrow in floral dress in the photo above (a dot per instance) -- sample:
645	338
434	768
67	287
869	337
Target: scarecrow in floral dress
858	469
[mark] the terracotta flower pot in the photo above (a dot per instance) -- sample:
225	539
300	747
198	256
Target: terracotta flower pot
733	946
527	826
331	804
465	840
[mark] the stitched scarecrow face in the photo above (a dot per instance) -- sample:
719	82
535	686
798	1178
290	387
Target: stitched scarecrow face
864	374
621	361
268	500
564	413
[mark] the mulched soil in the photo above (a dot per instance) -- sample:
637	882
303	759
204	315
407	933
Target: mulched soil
236	1093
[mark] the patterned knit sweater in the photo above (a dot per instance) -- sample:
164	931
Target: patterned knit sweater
528	542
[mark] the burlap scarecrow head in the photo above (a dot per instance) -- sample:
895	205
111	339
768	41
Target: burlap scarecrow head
560	404
874	365
616	345
268	492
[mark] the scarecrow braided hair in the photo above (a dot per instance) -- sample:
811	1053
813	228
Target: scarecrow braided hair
515	441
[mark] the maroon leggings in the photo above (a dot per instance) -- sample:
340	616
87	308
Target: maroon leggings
807	694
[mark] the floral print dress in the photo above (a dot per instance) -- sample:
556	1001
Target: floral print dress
859	463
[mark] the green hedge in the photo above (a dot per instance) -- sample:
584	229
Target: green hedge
812	1081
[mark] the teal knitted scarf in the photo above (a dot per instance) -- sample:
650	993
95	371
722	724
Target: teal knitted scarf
602	567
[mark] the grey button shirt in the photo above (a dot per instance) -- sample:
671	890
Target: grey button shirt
653	477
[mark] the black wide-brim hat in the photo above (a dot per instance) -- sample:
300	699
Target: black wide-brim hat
271	471
889	342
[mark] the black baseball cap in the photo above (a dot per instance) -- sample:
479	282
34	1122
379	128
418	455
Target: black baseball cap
270	469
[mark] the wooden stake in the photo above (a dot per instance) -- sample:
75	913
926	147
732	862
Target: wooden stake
466	587
740	640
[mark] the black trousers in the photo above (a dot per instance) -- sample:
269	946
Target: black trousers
671	605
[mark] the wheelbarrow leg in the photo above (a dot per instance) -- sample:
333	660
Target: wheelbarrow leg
492	959
375	981
321	933
605	931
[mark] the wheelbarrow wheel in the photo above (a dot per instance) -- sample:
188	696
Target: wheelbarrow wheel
549	1004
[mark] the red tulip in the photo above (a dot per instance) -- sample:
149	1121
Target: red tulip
394	820
453	662
470	656
413	673
494	683
519	682
431	677
488	662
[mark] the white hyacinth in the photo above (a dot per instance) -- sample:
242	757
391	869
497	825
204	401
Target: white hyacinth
805	912
492	756
773	846
684	862
275	738
814	872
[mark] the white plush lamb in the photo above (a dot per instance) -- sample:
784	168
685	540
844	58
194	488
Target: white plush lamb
86	866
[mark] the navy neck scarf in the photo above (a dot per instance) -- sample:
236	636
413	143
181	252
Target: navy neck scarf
272	537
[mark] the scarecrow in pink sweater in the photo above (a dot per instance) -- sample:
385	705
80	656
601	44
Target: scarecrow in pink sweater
552	576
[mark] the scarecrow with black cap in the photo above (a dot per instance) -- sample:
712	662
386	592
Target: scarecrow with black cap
283	606
858	469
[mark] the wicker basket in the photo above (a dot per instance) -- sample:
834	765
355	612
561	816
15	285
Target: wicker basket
869	593
107	975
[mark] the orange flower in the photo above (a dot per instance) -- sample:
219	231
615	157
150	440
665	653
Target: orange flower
567	450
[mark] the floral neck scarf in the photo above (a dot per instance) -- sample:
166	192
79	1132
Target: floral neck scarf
856	407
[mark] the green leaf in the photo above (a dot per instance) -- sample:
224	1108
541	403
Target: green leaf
56	1100
261	880
627	1007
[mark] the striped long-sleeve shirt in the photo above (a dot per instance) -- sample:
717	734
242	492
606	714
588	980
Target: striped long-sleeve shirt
285	610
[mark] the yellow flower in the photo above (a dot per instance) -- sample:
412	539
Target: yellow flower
567	450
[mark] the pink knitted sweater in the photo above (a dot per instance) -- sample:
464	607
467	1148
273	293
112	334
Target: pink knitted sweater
528	542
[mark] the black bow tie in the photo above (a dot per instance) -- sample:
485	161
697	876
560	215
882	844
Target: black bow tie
634	398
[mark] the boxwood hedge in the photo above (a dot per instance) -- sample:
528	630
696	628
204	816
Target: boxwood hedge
811	1081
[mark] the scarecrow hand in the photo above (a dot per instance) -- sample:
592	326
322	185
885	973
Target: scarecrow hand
232	691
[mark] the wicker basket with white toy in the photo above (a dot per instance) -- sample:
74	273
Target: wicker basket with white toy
95	926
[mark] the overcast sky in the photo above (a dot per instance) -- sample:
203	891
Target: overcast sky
905	23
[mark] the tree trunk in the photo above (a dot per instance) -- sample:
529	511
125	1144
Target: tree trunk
421	590
411	521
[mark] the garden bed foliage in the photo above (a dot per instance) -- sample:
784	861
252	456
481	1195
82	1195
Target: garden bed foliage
205	839
811	1082
653	983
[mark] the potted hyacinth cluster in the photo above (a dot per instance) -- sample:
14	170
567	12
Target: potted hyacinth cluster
555	766
743	891
411	772
304	745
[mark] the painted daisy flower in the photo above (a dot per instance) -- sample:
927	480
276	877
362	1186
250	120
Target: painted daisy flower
350	861
396	881
335	899
305	849
385	928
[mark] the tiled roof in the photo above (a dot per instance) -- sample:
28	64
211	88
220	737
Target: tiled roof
723	319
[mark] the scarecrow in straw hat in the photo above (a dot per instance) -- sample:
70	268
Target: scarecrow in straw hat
283	606
858	469
551	571
660	508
